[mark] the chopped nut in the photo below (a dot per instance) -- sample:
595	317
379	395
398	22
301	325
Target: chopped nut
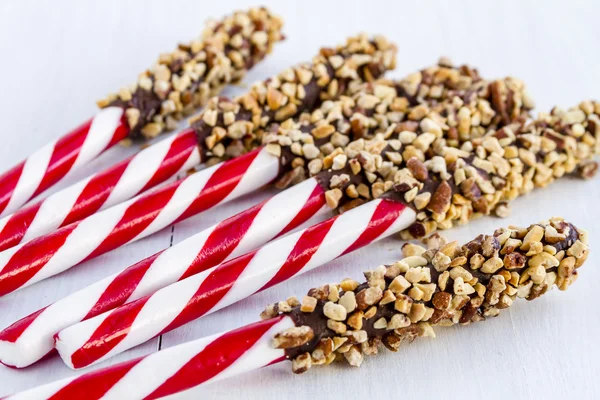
355	320
334	311
403	304
320	293
354	356
336	326
293	337
441	300
368	297
462	288
301	364
388	297
399	285
381	323
409	249
492	265
333	197
348	301
349	285
308	304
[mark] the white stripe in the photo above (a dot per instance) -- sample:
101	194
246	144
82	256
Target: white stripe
158	312
170	265
184	196
150	373
70	339
99	136
154	316
37	340
7	254
154	370
263	170
31	177
405	220
139	171
263	266
260	354
4	221
84	239
54	210
343	233
276	214
193	160
42	392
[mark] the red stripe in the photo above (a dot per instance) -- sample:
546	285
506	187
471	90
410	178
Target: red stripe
121	132
95	193
94	385
211	291
14	332
17	226
67	149
115	327
386	213
111	332
64	154
228	234
121	288
138	216
179	152
8	182
315	202
215	358
220	184
29	259
307	245
222	241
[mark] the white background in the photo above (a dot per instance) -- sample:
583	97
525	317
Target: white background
58	57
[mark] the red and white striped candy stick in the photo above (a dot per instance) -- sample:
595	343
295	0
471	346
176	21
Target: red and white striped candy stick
156	101
175	369
124	223
54	161
114	185
219	137
113	332
31	338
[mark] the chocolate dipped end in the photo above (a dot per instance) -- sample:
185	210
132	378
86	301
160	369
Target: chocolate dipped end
297	90
437	287
183	80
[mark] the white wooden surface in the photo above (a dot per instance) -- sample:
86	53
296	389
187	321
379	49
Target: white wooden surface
58	57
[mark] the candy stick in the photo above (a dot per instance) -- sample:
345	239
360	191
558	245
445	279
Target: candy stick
218	138
438	287
62	249
114	185
441	191
124	223
30	339
176	369
399	302
178	83
86	343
